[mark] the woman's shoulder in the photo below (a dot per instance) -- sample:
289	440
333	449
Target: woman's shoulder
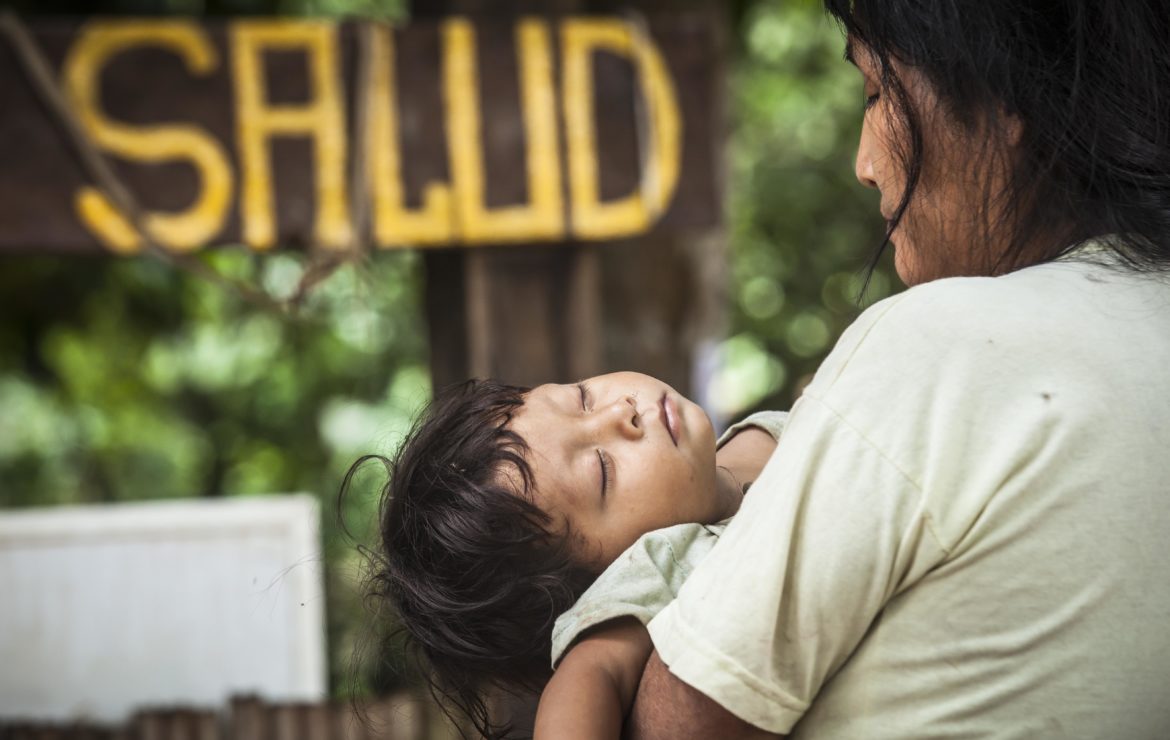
953	305
971	325
917	324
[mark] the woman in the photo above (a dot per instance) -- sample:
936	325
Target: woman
964	529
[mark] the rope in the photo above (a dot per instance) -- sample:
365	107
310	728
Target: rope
325	263
40	75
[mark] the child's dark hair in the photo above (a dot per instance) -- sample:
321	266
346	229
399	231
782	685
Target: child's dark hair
475	572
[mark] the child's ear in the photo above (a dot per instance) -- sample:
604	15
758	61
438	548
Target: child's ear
1013	128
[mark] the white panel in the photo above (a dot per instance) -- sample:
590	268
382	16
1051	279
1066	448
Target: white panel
106	609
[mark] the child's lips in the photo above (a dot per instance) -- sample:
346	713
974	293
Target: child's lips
670	418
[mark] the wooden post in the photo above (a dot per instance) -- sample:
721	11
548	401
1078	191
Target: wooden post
522	314
557	313
526	315
248	719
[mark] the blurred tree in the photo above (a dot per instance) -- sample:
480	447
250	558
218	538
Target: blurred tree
801	227
124	379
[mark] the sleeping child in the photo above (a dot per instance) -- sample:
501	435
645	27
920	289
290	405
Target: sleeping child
519	524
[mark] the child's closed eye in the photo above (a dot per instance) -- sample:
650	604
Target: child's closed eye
606	472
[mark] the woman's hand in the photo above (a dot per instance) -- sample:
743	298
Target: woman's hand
668	709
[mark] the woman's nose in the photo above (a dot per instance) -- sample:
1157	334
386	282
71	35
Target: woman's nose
863	162
863	168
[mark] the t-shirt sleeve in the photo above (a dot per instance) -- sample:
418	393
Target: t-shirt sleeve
771	422
644	579
832	530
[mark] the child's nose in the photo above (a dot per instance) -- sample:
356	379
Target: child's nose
623	416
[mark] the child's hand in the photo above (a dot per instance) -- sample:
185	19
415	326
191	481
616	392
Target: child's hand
593	688
745	454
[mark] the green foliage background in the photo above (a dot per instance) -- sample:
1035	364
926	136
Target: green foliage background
801	227
124	379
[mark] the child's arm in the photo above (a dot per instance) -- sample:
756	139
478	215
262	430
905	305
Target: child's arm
593	688
745	454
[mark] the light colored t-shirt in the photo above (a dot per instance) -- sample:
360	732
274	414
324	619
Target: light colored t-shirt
965	528
648	574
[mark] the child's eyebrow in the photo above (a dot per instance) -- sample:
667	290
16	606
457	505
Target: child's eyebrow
849	52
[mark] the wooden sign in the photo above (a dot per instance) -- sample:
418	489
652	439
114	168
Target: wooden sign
248	131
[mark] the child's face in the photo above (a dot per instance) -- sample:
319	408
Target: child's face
619	455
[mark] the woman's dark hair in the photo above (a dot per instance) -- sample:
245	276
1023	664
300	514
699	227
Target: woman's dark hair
475	573
1089	81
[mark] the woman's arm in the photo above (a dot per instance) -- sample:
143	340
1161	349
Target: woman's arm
593	688
668	709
